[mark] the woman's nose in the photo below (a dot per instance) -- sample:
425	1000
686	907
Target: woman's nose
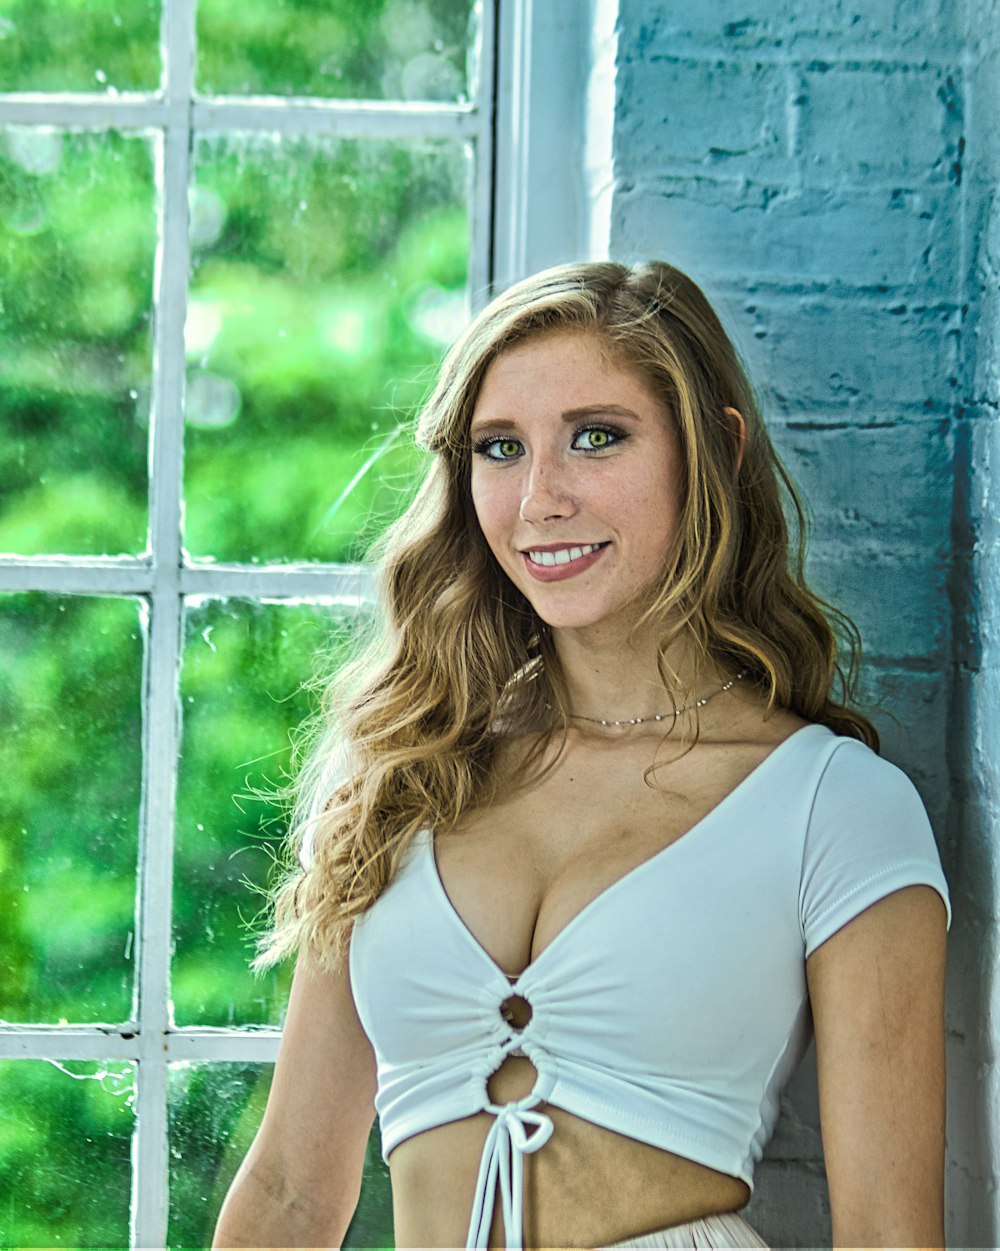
546	495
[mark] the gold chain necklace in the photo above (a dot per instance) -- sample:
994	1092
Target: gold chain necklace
661	716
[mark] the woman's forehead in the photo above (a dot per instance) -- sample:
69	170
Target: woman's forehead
577	359
565	376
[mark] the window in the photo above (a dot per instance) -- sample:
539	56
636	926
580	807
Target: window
234	238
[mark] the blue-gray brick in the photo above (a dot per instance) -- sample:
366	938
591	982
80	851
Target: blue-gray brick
835	28
884	483
705	111
883	122
847	353
866	238
895	592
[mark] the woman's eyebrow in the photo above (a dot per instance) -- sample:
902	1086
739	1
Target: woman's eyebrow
600	410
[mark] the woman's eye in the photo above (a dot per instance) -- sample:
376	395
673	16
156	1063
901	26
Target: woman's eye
595	439
499	449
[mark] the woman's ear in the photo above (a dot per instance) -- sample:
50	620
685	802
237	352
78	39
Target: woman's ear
739	430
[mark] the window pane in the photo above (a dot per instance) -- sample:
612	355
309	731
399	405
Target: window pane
361	49
328	278
77	242
215	1110
65	1139
90	45
71	769
244	663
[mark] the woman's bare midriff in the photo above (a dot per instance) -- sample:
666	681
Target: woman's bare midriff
586	1187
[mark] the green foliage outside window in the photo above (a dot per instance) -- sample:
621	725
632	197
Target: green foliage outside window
379	49
328	277
79	45
77	247
64	1153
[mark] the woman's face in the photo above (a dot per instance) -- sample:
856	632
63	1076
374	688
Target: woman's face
576	479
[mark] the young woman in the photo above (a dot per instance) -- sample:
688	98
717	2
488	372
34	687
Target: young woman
596	837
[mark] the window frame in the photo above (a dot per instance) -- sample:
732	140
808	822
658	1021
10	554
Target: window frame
162	579
555	176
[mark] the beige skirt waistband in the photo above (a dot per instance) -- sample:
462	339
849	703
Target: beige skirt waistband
725	1230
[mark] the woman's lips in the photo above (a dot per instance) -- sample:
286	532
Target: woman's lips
554	564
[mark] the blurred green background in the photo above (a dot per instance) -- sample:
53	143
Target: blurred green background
327	276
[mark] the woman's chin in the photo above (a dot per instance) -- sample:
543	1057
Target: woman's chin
581	621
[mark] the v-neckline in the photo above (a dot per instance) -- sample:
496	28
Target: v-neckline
628	876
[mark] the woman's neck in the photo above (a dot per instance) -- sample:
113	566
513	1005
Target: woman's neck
617	678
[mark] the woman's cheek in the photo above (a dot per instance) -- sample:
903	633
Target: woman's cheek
495	507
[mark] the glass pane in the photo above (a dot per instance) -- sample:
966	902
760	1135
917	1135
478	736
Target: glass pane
244	664
89	45
328	279
77	243
353	49
65	1142
215	1110
70	760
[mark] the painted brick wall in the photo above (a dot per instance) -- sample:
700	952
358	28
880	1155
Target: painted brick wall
826	170
974	1009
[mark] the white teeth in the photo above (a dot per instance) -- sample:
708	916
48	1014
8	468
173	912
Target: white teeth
564	555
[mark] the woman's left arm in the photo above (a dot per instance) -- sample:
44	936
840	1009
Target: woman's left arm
877	992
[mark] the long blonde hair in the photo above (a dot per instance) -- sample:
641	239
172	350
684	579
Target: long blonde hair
409	731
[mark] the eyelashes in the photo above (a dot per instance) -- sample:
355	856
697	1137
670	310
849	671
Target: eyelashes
608	436
485	447
505	448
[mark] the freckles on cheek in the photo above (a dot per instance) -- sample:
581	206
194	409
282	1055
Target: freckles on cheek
492	505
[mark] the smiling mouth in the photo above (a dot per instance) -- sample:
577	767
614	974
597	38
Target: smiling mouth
564	555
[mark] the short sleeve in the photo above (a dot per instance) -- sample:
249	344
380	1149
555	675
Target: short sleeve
868	835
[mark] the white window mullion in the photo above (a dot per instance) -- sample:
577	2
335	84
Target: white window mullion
121	1043
541	214
481	206
69	576
347	584
161	724
270	114
160	738
59	1042
84	112
327	117
598	158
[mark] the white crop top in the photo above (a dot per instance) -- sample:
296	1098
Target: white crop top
673	1008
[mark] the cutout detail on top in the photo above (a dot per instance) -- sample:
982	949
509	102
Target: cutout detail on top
516	1011
515	1079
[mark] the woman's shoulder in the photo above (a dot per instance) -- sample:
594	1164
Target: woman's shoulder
843	769
857	774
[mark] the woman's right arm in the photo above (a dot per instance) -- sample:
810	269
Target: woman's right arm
300	1181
